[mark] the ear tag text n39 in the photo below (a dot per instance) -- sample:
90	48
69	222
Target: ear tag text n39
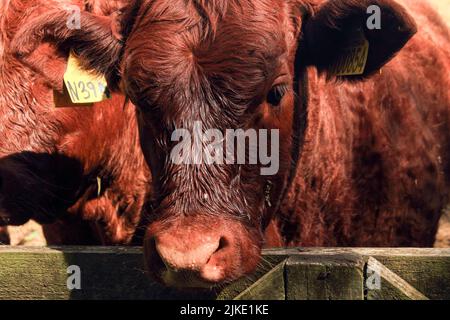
81	87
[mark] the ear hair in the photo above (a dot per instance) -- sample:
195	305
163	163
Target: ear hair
129	18
94	42
331	21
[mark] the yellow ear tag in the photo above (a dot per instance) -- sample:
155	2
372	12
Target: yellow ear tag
353	58
81	87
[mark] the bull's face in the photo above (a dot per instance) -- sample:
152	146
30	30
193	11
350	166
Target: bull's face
198	71
209	91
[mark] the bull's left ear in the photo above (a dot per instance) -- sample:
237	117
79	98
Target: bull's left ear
354	38
44	35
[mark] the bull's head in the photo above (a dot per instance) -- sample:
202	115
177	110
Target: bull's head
220	64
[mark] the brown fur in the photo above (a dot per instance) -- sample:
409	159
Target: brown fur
365	160
376	159
50	158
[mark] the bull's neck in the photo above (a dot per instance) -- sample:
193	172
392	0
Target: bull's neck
322	163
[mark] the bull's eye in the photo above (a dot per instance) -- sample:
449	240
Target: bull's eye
276	94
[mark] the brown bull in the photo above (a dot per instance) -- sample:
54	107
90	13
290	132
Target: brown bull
364	159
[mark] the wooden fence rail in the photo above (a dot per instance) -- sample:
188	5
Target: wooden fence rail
300	273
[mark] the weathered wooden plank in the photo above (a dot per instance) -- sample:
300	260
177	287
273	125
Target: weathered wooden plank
269	287
388	291
106	273
266	283
425	269
309	273
392	252
325	277
388	285
428	274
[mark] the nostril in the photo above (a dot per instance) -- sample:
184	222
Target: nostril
223	243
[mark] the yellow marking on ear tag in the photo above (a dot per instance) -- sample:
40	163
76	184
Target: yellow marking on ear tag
83	87
353	59
99	186
62	100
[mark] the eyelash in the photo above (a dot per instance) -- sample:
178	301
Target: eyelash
276	94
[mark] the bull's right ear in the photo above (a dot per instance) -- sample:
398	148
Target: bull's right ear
95	41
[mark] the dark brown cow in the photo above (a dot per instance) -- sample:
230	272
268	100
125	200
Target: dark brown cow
53	160
364	159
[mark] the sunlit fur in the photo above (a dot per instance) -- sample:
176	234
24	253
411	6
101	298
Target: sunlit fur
50	158
364	160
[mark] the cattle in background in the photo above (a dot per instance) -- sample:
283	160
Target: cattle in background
80	168
364	159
